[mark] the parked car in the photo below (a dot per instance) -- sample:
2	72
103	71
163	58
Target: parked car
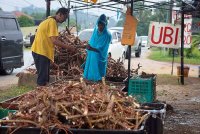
144	41
136	48
116	50
26	41
11	43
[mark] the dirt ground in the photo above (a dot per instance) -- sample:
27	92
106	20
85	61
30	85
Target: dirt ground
183	111
183	115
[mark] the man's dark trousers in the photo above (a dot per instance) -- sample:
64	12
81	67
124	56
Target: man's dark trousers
42	65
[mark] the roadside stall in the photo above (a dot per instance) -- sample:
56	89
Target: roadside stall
71	105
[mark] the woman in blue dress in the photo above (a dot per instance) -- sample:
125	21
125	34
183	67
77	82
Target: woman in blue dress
97	51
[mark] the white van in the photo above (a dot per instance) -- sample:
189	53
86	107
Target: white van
136	48
116	50
144	41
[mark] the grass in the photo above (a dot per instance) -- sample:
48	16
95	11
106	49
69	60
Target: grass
160	55
13	92
28	30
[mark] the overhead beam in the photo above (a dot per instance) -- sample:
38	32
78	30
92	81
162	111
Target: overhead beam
91	4
97	6
86	4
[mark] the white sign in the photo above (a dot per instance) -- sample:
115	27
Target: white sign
164	35
176	19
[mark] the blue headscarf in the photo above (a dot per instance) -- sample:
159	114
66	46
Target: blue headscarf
96	62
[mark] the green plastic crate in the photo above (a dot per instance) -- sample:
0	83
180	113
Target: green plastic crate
4	112
142	89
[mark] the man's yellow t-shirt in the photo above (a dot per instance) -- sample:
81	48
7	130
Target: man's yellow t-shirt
42	44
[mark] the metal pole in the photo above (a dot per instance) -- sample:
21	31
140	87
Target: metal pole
170	21
170	11
199	71
182	44
172	61
76	22
129	50
48	3
69	15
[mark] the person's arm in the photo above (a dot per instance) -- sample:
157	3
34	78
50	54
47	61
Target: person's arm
81	46
84	45
59	43
91	48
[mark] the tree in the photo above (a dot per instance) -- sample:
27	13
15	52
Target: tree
143	16
143	22
193	51
120	23
25	21
38	16
72	23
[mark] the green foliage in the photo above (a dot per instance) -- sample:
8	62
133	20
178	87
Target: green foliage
145	16
30	9
120	23
160	15
52	12
193	51
195	20
38	16
159	55
72	23
13	92
143	25
41	15
25	21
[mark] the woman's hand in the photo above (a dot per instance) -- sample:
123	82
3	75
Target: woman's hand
81	46
92	49
88	47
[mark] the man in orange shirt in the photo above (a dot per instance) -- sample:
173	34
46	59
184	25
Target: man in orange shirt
44	44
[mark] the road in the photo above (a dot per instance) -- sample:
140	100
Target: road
148	66
7	81
156	67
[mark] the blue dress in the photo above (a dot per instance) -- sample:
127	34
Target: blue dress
96	62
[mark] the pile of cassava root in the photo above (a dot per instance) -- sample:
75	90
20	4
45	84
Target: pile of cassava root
74	104
68	63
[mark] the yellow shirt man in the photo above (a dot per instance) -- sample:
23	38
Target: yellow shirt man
42	44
